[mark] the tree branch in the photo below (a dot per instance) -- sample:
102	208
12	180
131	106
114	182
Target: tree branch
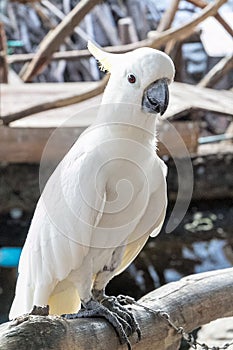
219	18
52	41
217	72
168	16
54	38
191	302
57	103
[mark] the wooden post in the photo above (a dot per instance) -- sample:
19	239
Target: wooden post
127	31
3	56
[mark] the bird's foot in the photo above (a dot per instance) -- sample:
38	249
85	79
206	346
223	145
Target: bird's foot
40	310
120	318
36	310
117	305
125	299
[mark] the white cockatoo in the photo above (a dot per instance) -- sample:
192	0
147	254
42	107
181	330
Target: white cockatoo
103	201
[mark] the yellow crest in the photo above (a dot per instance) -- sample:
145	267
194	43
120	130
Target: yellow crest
105	58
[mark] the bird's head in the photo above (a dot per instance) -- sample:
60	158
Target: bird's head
141	77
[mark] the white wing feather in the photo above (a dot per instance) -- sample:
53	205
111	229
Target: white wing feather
59	234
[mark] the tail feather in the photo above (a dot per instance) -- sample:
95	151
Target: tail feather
64	299
64	302
23	302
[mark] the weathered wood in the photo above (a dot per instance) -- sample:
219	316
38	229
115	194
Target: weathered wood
3	56
22	145
229	133
185	30
106	21
168	17
29	96
166	23
217	72
182	100
66	55
57	103
58	13
187	98
24	1
52	41
169	143
60	55
45	18
212	174
127	30
202	4
193	301
13	78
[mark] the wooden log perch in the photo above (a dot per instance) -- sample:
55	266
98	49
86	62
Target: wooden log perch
191	302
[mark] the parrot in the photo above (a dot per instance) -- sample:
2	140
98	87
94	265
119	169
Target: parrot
103	201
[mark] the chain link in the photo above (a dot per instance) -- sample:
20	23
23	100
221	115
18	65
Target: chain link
187	337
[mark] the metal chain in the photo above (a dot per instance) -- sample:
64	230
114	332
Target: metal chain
187	337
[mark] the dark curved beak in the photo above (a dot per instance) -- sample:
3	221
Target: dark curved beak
156	97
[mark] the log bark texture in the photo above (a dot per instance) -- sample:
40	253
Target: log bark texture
191	302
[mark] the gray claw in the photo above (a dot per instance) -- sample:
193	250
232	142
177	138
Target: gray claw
113	304
95	309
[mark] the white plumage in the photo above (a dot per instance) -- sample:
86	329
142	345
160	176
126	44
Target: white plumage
106	197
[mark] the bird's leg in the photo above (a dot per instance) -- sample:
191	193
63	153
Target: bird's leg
97	304
111	303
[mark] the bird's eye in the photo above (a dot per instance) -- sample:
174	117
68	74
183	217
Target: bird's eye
131	78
